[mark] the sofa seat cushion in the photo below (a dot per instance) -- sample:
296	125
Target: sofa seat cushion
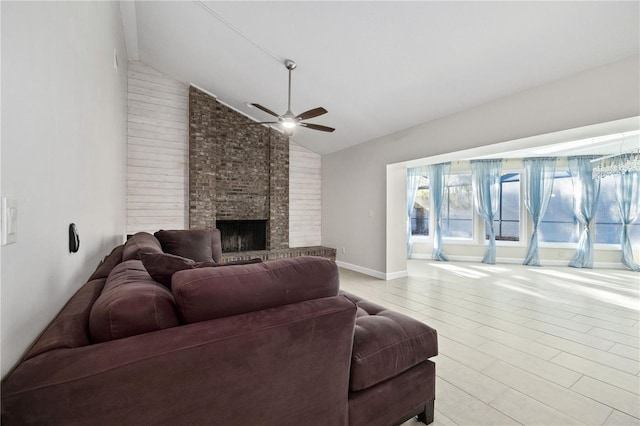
386	343
208	293
131	303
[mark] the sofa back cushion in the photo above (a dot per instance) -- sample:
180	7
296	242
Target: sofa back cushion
131	303
208	293
108	263
142	241
200	245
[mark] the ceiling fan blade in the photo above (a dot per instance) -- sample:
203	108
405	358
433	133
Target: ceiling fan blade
311	113
267	110
317	127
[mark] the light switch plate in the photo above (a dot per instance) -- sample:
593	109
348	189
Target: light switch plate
9	221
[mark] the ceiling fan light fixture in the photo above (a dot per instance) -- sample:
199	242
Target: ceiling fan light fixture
288	123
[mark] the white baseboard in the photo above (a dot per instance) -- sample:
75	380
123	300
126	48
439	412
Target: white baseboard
396	275
371	272
460	258
421	256
513	260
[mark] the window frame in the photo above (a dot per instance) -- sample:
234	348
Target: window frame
461	240
420	237
522	215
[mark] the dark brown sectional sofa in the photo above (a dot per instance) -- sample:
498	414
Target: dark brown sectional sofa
273	343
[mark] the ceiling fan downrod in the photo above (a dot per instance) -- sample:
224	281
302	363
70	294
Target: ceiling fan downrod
291	65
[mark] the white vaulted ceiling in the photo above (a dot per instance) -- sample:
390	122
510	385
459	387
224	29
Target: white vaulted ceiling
378	67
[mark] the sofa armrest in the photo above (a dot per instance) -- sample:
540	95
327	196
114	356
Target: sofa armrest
278	366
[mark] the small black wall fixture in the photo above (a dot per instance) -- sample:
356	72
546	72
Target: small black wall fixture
74	239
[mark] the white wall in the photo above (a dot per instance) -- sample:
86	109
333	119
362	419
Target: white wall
157	151
354	180
305	197
63	155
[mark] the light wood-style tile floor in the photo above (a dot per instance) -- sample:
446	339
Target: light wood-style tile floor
523	345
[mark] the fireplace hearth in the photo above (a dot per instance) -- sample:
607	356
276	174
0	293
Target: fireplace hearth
242	235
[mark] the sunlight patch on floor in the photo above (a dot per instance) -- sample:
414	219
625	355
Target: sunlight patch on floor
491	268
574	276
603	282
520	289
611	295
458	270
608	276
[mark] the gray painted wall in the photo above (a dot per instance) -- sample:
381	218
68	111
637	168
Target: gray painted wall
64	130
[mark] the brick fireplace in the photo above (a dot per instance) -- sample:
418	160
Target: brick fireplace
238	172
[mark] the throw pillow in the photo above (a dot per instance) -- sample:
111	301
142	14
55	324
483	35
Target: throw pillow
161	266
190	243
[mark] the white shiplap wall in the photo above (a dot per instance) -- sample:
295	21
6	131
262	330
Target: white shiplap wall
158	162
305	197
158	151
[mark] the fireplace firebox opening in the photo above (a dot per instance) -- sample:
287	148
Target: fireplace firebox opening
242	235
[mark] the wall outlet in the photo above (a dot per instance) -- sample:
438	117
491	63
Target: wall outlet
344	250
9	221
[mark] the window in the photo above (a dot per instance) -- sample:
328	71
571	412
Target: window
457	207
559	225
506	223
421	209
608	223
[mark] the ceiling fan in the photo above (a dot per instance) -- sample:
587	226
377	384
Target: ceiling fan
289	120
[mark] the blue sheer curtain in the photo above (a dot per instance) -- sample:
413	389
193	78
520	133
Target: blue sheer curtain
437	183
486	191
628	195
538	177
586	192
413	181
